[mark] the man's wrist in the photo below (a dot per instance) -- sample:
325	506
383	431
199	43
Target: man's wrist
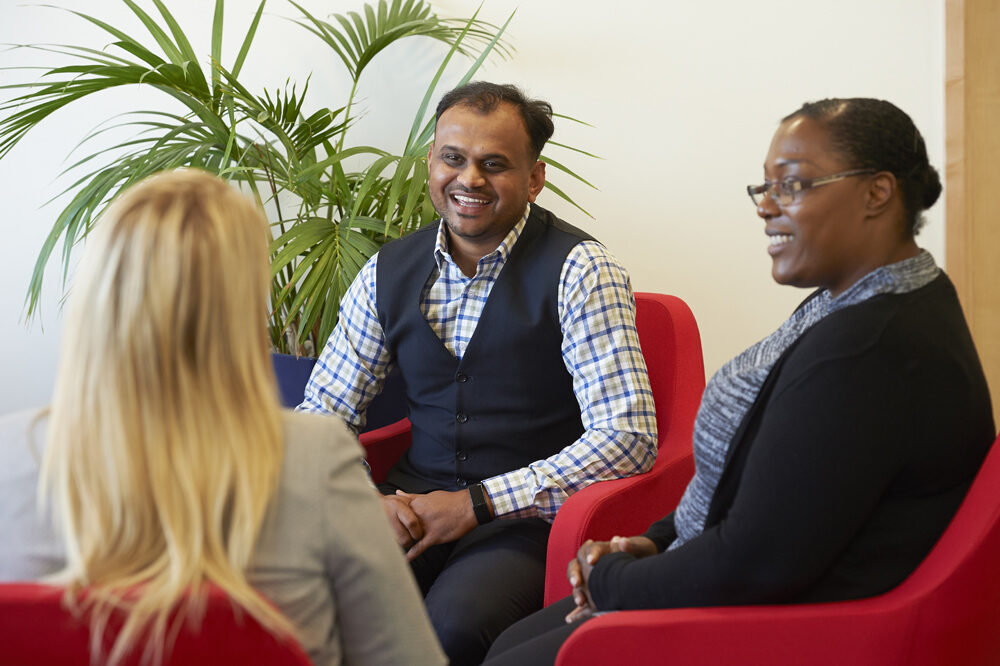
480	503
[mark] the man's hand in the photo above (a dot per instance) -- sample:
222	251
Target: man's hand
578	570
404	522
445	516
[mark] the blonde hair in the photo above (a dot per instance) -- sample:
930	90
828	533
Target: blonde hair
164	440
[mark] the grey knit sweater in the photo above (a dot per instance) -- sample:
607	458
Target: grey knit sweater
734	388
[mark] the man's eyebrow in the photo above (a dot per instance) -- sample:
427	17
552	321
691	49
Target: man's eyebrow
488	156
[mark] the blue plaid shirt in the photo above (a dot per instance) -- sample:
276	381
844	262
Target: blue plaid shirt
600	349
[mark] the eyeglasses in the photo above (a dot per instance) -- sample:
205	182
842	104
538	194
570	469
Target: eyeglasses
787	190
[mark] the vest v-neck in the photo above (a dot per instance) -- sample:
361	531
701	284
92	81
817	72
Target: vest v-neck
509	401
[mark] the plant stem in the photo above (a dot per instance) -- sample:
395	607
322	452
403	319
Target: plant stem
347	114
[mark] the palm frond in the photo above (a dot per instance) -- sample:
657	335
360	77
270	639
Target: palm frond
330	214
358	38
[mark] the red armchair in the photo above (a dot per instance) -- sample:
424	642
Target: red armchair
671	347
946	612
36	629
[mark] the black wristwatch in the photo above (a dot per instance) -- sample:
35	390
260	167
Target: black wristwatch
479	505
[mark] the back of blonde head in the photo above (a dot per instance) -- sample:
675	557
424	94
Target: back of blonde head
164	441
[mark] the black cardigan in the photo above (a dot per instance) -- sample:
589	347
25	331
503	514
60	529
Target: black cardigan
845	471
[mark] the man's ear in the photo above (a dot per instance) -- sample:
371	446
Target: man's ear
430	151
536	181
880	192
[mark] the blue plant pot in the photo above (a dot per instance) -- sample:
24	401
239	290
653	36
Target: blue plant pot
293	375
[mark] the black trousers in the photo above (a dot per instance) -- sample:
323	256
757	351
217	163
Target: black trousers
476	587
536	639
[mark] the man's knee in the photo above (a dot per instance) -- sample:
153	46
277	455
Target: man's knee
494	577
467	628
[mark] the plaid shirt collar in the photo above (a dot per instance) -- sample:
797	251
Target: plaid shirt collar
442	256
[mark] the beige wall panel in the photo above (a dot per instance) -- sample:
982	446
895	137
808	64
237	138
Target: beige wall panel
972	99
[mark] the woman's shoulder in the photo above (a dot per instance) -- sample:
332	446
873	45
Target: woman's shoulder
319	452
921	318
313	440
888	336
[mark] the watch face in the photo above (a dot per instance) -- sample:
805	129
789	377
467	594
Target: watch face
479	505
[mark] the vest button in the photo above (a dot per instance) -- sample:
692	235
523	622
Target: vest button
462	482
461	378
462	456
461	417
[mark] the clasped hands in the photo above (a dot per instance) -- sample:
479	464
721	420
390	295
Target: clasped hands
578	570
421	521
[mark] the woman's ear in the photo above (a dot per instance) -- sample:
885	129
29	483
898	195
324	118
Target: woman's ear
881	189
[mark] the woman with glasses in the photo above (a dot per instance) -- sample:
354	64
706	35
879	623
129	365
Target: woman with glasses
169	465
831	455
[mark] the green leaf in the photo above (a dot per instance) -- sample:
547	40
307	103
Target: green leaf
217	23
372	174
575	150
566	170
571	119
549	185
414	196
337	158
169	48
141	52
248	40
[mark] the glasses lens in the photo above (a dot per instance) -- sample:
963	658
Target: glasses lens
784	192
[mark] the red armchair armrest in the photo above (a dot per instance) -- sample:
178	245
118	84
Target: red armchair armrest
624	507
384	446
815	634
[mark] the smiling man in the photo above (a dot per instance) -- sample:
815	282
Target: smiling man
515	336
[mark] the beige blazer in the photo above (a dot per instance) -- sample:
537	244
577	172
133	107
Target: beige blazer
326	556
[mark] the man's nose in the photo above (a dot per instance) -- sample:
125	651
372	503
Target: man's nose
471	176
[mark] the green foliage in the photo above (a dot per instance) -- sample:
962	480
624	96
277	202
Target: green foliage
267	143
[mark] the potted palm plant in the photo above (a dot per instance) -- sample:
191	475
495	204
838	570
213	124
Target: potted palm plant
329	217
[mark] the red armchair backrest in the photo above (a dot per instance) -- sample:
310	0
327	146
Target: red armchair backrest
954	595
671	347
36	629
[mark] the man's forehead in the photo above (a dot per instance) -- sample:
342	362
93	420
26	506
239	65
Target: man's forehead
500	126
468	112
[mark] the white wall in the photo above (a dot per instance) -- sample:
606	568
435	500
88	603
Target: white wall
683	96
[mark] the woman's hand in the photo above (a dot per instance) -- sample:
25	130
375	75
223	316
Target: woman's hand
578	570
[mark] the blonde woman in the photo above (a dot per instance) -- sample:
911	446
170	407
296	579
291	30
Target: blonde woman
169	464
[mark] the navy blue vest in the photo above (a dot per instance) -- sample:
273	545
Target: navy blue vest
510	400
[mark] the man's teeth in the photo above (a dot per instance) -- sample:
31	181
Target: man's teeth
779	239
470	201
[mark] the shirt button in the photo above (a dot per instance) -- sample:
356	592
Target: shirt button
461	378
461	482
461	417
462	456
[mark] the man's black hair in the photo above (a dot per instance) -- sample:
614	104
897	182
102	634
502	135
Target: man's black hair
486	97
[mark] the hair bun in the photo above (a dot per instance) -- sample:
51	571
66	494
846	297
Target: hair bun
930	186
